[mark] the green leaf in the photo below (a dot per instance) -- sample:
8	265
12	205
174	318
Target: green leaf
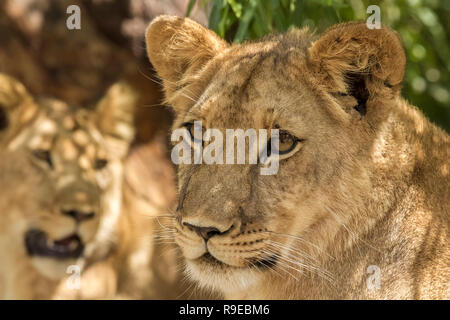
245	21
262	19
189	7
215	16
297	16
278	15
236	7
222	27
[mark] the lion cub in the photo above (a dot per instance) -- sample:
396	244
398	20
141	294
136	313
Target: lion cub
60	182
359	207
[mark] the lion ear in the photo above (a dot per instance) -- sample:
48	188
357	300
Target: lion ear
178	49
17	107
115	117
352	59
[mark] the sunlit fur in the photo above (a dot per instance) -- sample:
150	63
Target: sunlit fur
369	185
33	193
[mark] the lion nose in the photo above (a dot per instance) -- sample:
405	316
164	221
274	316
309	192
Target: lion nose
79	215
204	232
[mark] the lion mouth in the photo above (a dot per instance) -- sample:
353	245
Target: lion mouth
38	244
262	263
210	259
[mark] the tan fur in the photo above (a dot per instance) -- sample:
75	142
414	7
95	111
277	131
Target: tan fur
33	193
367	188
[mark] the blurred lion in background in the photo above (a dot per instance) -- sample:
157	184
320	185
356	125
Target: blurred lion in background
66	206
60	179
38	49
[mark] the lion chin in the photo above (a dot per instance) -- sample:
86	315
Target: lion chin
51	268
215	275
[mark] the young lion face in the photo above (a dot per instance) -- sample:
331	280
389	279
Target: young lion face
60	173
236	227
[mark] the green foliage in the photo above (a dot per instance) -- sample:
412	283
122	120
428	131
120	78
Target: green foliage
424	26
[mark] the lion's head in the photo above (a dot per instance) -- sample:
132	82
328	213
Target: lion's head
326	96
60	174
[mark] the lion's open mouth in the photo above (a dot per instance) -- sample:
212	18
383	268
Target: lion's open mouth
38	244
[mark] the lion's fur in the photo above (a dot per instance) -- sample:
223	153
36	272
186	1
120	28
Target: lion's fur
368	187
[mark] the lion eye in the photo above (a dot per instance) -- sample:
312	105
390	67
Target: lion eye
100	164
287	142
44	156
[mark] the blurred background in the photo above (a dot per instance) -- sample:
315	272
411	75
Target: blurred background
78	65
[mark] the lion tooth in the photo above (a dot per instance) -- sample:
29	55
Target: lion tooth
50	243
73	245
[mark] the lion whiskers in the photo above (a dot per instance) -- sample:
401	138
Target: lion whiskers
295	260
302	240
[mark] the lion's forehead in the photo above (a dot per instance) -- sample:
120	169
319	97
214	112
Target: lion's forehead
255	85
70	133
252	99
